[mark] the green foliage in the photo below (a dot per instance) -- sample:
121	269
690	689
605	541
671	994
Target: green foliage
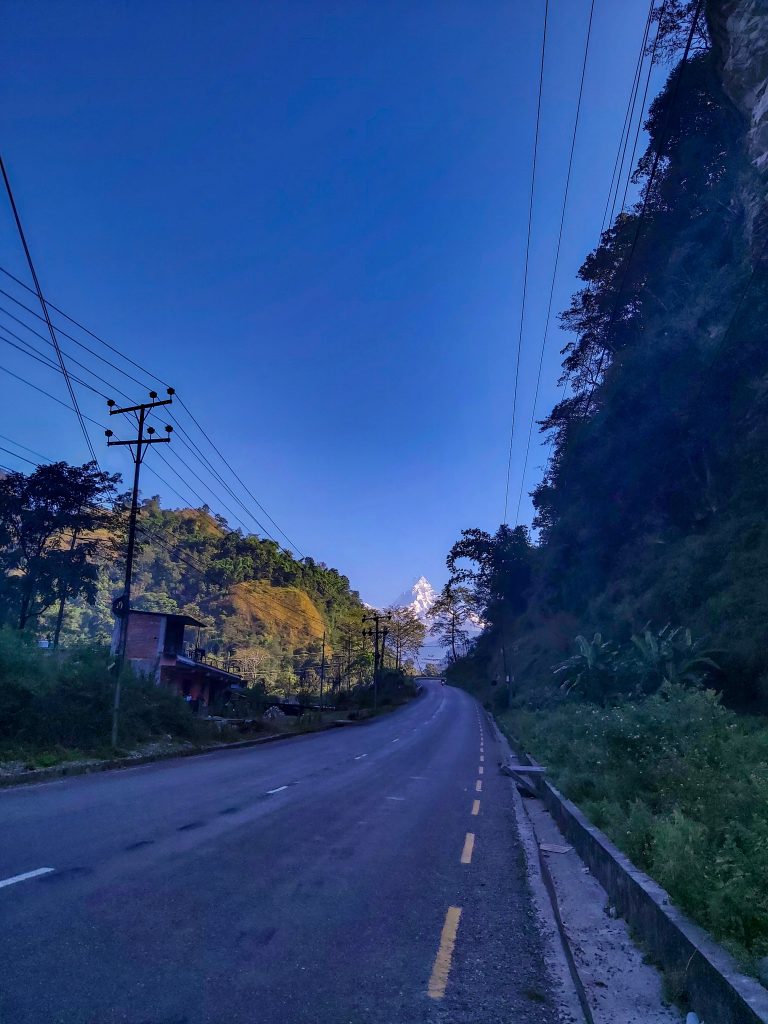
593	671
264	607
601	669
450	614
681	784
51	700
37	568
652	506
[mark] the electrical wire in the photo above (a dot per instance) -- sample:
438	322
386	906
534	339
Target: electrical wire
649	183
651	64
209	440
627	116
527	255
557	255
96	337
40	296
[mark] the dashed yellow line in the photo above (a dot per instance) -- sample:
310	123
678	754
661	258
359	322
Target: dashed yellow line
479	786
438	980
469	845
475	806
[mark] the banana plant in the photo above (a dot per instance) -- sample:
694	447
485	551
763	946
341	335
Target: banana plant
670	655
592	671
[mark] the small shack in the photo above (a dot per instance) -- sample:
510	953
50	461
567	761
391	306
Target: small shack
156	647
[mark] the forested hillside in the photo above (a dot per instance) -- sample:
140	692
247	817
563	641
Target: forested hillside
626	639
653	506
265	608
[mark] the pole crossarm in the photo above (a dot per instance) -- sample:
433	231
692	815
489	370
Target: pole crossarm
144	440
138	408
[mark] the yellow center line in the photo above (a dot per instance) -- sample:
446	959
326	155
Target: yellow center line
479	786
469	845
442	966
476	807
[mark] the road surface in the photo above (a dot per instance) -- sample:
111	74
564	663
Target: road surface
364	875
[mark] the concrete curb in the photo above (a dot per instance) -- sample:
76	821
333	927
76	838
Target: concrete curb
717	990
537	863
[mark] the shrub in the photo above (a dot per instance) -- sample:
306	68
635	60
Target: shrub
47	700
680	783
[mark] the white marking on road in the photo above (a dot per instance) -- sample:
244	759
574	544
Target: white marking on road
396	740
27	874
395	798
278	790
359	756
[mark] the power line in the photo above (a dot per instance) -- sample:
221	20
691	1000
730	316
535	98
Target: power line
39	291
87	331
37	334
651	63
557	255
627	119
37	355
205	461
527	255
26	449
242	484
649	183
191	446
47	394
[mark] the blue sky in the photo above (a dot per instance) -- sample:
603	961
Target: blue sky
310	218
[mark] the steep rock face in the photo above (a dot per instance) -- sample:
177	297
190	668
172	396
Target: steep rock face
739	31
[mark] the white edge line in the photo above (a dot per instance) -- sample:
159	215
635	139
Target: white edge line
25	876
359	756
279	788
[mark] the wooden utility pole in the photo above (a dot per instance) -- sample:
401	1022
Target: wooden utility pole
378	655
322	676
138	447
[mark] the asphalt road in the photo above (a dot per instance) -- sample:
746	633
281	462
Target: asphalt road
308	880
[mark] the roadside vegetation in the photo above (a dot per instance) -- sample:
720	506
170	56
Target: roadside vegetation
57	705
680	784
624	641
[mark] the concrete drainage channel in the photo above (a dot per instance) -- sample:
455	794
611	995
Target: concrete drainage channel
601	901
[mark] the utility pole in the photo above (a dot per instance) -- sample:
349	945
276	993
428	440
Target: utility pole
322	676
378	656
138	448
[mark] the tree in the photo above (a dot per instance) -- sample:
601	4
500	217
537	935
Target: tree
406	633
500	570
450	613
38	515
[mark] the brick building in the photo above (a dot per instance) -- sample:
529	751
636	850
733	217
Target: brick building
155	646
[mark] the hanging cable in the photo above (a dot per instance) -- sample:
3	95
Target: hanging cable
96	337
557	255
527	255
40	296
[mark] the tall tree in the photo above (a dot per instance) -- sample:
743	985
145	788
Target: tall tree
450	614
406	633
39	513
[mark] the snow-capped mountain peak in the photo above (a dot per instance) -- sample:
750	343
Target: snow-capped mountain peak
419	598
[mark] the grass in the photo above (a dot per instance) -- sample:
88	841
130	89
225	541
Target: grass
680	784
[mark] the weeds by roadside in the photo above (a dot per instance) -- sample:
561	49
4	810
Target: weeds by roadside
679	783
